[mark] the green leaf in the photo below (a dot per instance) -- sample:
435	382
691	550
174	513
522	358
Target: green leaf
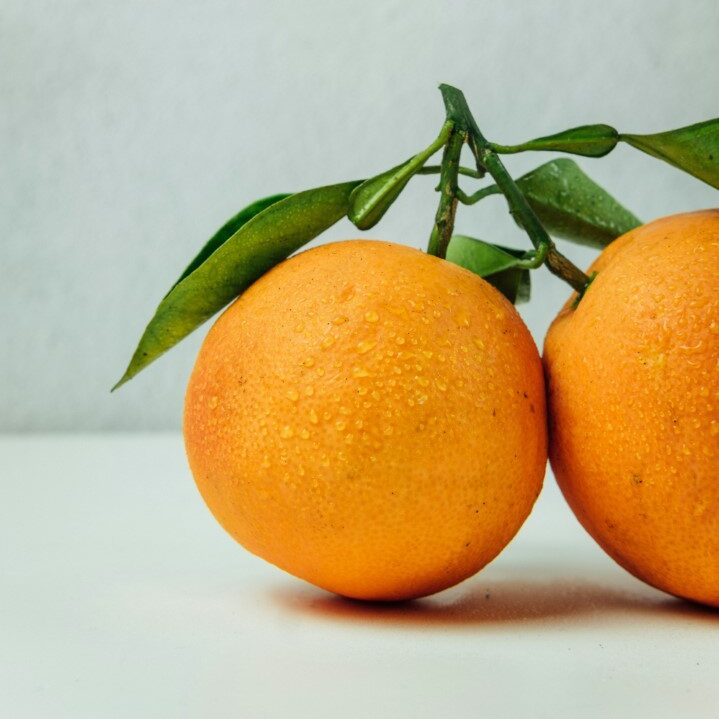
227	230
374	196
694	149
262	242
572	206
500	266
587	140
514	284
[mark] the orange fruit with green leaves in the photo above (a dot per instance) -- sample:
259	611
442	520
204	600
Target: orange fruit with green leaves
371	418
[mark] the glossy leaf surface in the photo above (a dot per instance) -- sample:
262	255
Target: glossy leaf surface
587	140
496	264
259	244
572	206
374	196
227	230
694	149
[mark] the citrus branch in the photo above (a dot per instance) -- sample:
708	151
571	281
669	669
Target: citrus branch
488	161
447	209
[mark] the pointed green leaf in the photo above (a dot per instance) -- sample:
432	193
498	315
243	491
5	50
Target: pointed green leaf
496	264
694	149
572	206
480	257
374	196
227	230
587	140
265	240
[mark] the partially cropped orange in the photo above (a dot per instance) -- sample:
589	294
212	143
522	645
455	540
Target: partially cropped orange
369	418
633	380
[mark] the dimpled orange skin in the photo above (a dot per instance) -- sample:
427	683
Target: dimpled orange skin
369	418
633	380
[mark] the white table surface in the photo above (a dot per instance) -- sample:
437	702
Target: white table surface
121	597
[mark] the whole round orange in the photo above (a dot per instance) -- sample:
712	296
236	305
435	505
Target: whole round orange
369	418
633	380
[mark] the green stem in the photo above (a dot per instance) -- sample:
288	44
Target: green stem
477	196
436	169
508	149
520	209
535	259
488	160
444	134
447	209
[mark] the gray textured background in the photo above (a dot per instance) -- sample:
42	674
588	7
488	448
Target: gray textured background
130	131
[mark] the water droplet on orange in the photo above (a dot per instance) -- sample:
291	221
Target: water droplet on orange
461	319
347	293
365	346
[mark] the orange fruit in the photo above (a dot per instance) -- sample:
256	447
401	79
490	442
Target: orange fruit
369	418
633	381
